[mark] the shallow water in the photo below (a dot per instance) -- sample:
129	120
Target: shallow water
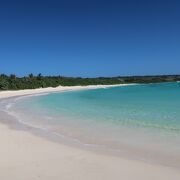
142	121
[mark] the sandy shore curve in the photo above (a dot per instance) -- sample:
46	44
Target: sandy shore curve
25	156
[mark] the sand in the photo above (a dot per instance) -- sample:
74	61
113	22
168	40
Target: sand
24	156
7	94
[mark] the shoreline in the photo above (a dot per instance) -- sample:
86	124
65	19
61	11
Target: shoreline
95	165
25	92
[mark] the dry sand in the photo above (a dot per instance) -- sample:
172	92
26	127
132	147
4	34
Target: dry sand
24	156
7	94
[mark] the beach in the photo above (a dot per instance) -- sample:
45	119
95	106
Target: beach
25	155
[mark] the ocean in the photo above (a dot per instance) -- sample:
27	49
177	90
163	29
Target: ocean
141	121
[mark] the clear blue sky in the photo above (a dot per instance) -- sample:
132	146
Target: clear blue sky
90	37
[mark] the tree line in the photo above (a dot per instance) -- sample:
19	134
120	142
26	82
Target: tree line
13	82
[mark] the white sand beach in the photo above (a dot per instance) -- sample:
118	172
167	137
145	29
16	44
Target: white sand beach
8	94
25	156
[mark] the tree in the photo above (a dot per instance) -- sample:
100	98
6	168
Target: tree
39	76
13	76
4	84
31	76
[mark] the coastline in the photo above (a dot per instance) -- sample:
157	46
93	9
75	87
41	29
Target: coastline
33	157
8	94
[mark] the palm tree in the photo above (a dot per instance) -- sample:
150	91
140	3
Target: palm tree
39	76
31	76
13	76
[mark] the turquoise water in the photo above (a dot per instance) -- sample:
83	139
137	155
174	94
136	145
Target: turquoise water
138	116
148	106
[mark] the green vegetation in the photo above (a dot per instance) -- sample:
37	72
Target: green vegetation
31	81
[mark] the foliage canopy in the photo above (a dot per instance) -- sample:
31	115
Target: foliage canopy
31	81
